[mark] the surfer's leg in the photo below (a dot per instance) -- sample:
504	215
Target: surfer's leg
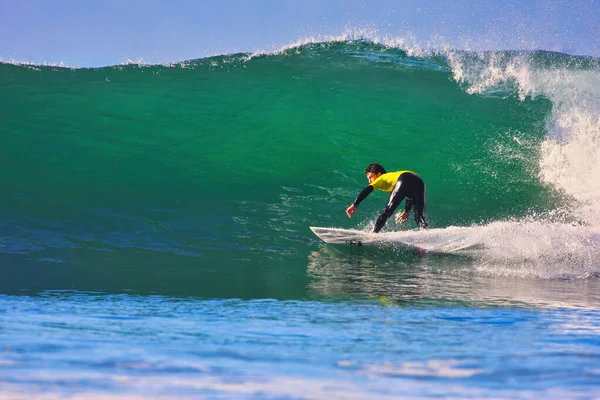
396	198
419	204
414	188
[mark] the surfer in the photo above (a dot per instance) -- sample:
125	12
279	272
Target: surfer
399	184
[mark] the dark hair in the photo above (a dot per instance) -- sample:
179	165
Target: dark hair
375	168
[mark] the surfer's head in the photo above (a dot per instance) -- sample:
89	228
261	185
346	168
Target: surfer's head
375	168
373	171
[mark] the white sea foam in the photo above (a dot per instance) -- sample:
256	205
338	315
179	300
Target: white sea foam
529	248
570	154
36	65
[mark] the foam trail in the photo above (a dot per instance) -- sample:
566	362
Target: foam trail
508	248
540	249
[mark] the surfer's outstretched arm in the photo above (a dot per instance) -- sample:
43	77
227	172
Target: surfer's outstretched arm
361	196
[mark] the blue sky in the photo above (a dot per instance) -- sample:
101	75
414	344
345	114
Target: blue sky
106	32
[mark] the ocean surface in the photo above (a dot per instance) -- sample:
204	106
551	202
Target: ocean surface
155	241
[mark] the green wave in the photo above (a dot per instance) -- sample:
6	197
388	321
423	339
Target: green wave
243	152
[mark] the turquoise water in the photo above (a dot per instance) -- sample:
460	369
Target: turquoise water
155	240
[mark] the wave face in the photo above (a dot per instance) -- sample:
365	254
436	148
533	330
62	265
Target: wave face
178	178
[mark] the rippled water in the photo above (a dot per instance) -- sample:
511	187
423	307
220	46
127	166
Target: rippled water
429	330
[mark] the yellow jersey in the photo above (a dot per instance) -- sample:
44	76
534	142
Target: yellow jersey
387	181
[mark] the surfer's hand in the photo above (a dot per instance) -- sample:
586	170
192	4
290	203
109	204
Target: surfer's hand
350	211
402	217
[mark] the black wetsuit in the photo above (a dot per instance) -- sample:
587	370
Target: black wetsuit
409	186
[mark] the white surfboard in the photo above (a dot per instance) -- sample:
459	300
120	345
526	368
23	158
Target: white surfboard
434	241
356	238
